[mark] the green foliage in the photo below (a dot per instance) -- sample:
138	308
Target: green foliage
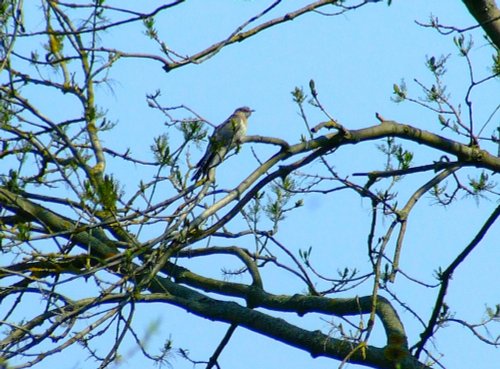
404	157
496	63
282	194
437	66
436	93
151	31
493	313
55	44
166	352
176	175
192	129
35	57
400	92
23	231
392	150
438	191
443	121
298	95
4	10
105	194
448	123
12	181
254	210
108	192
463	46
481	184
106	124
161	149
5	113
439	274
312	88
385	275
274	208
305	255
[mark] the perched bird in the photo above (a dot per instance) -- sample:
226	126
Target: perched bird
226	137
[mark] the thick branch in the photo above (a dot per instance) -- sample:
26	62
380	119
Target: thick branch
314	342
487	15
300	304
55	223
467	155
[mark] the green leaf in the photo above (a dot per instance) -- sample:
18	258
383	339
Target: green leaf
298	95
496	64
161	149
400	92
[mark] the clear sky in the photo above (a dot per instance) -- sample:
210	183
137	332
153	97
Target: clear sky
355	59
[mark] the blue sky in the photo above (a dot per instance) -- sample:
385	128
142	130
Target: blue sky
355	59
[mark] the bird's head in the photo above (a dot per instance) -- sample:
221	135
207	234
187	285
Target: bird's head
245	110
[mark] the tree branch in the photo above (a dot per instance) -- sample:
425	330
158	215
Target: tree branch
314	342
487	15
446	277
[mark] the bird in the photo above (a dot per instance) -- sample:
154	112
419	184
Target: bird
225	137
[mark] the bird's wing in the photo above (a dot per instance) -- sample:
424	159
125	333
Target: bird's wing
227	133
214	154
222	140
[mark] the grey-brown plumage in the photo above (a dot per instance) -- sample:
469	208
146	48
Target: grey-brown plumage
226	137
